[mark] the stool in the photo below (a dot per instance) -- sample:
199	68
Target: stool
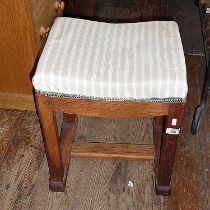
113	71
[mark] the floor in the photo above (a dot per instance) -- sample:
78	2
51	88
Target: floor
96	185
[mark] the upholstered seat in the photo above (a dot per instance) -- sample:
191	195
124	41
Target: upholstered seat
132	61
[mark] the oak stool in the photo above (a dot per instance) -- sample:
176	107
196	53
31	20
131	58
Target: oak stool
113	71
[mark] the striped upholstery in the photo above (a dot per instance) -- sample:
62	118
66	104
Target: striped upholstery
133	61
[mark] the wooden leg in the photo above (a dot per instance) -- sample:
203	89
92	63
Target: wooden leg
58	152
68	119
67	137
51	142
158	126
173	124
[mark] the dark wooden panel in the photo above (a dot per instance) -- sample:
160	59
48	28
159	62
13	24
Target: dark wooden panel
186	14
117	10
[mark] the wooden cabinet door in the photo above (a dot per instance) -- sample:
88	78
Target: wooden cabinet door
43	12
17	47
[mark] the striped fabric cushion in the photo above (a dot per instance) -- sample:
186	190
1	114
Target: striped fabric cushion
132	61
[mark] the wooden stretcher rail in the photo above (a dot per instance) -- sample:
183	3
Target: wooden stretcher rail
112	151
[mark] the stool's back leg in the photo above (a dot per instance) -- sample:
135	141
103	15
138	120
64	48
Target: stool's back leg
68	119
51	142
158	126
173	124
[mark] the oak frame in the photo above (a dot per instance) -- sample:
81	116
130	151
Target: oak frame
59	151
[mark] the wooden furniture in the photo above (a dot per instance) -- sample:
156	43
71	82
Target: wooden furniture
22	34
85	70
61	149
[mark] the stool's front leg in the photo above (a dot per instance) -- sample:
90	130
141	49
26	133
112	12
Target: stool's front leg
51	142
170	137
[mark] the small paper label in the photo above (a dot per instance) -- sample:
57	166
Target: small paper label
172	131
174	122
207	10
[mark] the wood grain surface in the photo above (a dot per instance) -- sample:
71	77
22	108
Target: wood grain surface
17	101
99	184
106	151
43	13
22	157
9	125
102	108
117	10
17	47
19	44
104	184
